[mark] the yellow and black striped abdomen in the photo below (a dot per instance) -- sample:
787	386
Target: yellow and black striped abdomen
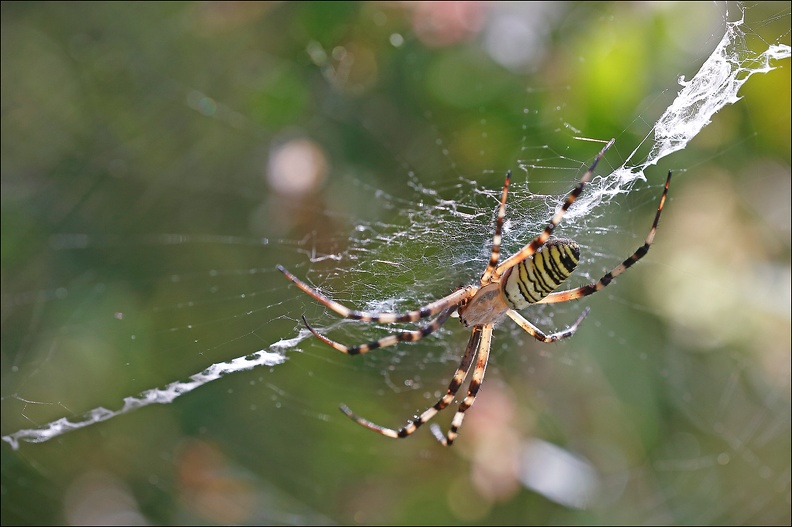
534	278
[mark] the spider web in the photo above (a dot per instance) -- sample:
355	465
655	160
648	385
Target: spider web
393	245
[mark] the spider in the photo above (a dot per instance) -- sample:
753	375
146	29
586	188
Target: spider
529	276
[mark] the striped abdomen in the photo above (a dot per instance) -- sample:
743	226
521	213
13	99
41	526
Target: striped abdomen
534	278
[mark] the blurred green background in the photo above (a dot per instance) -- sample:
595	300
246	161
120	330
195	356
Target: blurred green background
159	159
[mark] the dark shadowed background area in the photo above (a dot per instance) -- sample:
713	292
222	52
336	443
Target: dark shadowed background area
160	159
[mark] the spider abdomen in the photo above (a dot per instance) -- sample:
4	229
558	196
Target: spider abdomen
536	277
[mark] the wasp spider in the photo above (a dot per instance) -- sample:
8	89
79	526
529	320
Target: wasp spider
530	276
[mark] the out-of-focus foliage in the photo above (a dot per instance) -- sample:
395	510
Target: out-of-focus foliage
224	122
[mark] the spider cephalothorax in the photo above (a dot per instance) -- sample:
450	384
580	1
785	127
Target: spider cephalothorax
529	276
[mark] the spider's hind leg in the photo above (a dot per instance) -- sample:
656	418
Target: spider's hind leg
579	292
530	249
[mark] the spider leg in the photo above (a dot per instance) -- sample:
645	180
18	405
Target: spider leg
390	340
538	334
564	296
537	242
428	310
475	383
497	238
453	387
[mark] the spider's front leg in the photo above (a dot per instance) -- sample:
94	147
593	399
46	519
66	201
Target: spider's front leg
473	346
433	308
390	340
483	350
